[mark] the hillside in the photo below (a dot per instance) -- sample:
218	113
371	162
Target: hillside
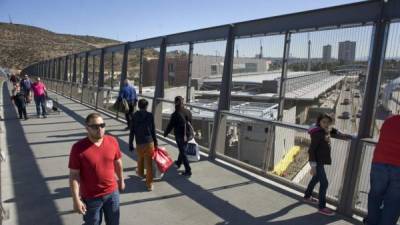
22	45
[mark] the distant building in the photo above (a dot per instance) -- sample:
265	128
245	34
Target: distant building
326	53
203	66
347	51
299	85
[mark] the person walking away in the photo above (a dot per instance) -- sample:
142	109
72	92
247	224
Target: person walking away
26	85
142	127
179	122
320	155
128	92
384	194
13	79
94	164
39	95
19	100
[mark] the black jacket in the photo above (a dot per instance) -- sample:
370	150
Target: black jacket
19	99
320	147
177	122
142	127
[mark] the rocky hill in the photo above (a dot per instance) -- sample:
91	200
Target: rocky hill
22	45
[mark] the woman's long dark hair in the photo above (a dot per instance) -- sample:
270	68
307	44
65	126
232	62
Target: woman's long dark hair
323	116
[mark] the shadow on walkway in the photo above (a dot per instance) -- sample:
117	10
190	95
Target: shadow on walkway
207	199
33	198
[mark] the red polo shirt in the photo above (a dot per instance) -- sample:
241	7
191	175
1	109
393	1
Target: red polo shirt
38	89
96	166
387	150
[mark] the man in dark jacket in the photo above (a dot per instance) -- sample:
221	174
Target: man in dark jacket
19	100
128	92
26	85
142	127
179	122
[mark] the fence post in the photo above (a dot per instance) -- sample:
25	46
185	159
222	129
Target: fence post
355	159
219	129
100	83
85	78
189	79
159	92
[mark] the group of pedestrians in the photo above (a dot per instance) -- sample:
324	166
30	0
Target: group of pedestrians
384	194
22	95
96	173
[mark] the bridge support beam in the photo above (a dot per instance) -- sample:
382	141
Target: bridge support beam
355	156
219	130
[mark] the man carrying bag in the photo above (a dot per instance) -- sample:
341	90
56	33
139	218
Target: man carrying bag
143	129
39	95
177	122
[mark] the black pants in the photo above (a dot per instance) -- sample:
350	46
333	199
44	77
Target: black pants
27	98
182	156
129	114
21	110
323	186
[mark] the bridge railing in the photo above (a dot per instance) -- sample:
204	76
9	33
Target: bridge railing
207	65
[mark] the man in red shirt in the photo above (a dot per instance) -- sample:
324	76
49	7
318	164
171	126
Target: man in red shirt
384	195
94	161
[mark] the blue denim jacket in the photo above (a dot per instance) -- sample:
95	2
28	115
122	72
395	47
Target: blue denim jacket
128	92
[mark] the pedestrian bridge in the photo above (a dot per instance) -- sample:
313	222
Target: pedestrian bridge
35	188
246	129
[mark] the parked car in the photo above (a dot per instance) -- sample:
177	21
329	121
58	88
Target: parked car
356	95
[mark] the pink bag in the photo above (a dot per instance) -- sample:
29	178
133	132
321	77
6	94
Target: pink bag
162	158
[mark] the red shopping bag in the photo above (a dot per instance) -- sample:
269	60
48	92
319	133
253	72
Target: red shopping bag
162	158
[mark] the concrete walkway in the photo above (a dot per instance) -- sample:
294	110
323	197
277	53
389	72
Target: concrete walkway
35	181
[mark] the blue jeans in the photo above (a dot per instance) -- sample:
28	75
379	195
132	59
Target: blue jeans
108	204
323	186
384	195
40	102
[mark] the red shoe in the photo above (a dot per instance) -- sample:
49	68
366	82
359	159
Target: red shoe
326	211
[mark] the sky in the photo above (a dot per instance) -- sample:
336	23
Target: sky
129	20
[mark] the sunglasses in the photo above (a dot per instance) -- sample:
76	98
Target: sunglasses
97	126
